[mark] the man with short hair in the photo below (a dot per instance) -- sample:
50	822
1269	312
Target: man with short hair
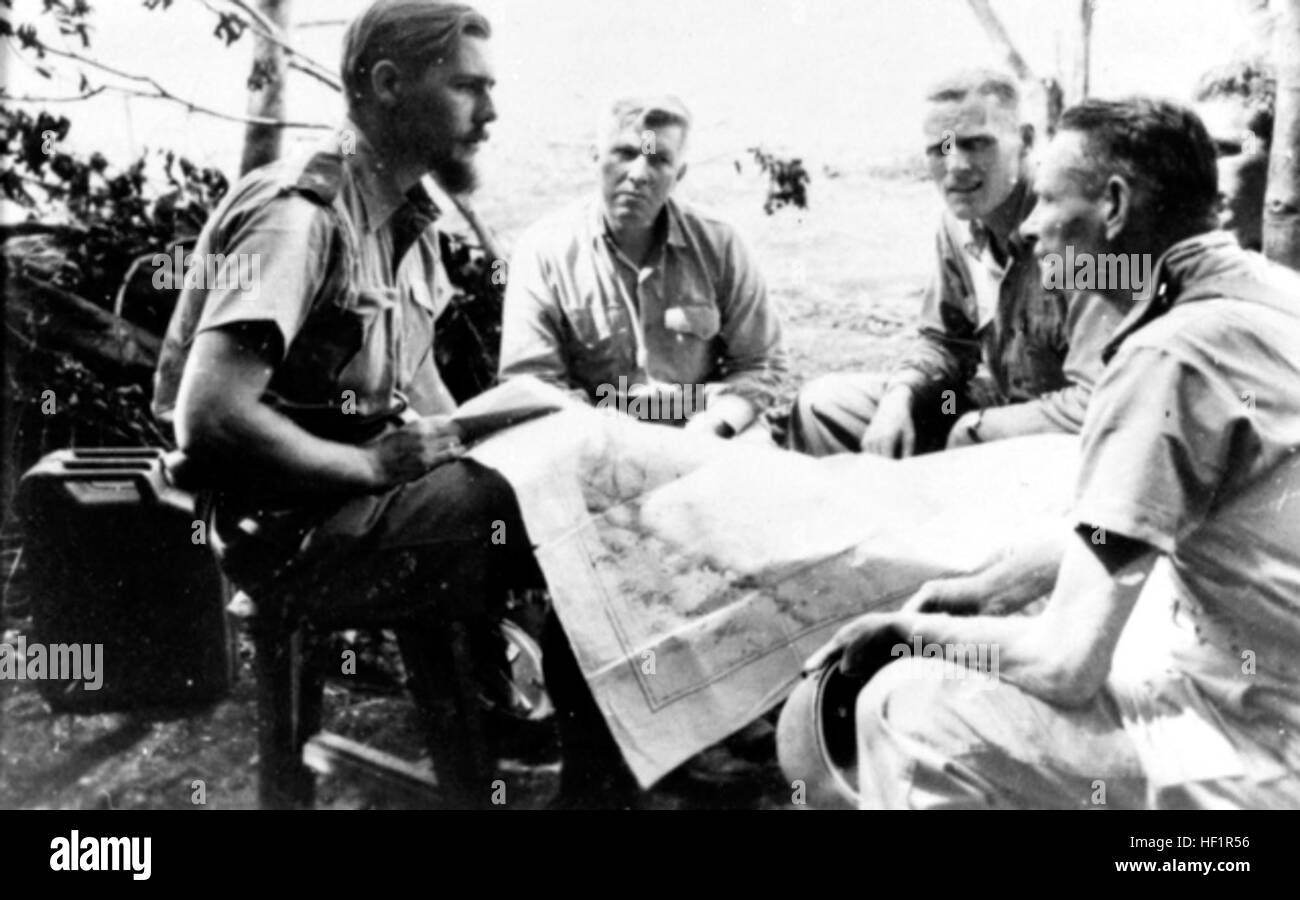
311	403
641	301
999	354
1187	486
1236	104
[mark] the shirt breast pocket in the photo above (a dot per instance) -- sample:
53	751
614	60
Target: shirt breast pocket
698	320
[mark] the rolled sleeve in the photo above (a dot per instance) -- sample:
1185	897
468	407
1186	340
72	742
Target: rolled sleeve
754	364
284	244
532	342
1156	447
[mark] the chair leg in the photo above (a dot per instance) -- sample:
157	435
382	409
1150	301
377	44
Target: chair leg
311	683
445	679
288	703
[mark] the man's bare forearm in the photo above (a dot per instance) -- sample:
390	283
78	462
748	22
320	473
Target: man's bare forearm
228	432
1026	570
1063	655
276	453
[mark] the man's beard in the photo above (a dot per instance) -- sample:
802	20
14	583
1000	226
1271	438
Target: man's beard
455	176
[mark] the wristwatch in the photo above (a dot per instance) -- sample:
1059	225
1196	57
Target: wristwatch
973	429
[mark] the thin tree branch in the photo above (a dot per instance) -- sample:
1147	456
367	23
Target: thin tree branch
105	67
327	81
218	114
161	93
320	23
266	29
193	107
26	99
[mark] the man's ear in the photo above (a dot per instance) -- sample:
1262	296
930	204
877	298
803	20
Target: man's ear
1117	206
681	173
385	82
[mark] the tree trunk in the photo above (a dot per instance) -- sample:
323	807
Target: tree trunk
1083	70
1282	203
993	27
262	142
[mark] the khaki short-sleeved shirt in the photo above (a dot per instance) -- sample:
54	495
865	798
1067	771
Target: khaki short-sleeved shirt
579	314
1192	445
315	239
1039	347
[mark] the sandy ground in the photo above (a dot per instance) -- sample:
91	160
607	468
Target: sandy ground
846	274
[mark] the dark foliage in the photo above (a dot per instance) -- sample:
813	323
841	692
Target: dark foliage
109	218
467	345
787	180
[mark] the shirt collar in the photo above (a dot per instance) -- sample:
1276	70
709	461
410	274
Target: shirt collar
980	235
379	193
676	234
1180	264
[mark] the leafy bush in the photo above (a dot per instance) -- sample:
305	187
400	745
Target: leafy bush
787	180
467	340
105	218
87	223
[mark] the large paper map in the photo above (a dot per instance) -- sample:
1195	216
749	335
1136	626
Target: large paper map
693	575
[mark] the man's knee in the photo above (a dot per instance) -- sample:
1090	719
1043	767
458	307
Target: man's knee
494	524
459	502
910	721
481	496
910	698
827	392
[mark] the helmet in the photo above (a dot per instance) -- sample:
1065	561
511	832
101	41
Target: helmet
816	738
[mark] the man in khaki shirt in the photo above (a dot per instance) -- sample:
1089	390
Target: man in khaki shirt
309	402
641	302
1188	493
999	353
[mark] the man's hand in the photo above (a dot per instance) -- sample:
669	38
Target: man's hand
728	413
709	423
961	595
414	449
864	645
961	435
1021	574
891	432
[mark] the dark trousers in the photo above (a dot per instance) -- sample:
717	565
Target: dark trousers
832	413
593	771
432	559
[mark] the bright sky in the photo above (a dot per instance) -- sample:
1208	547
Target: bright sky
836	81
